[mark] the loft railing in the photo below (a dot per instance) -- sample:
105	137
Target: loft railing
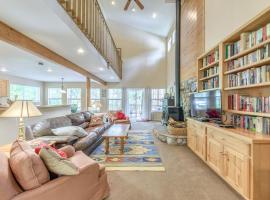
89	18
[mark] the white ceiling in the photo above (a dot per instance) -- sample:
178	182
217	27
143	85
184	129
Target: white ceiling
36	19
142	19
22	64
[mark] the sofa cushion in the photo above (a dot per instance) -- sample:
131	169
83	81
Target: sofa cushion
84	125
9	188
70	131
59	122
27	167
56	164
60	139
85	142
76	119
87	116
41	128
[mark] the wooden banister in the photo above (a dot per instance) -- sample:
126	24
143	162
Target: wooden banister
88	16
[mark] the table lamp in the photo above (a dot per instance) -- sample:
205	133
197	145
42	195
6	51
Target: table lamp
21	109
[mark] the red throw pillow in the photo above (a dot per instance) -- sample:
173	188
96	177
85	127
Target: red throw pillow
43	145
120	115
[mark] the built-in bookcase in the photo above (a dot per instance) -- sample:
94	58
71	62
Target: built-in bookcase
240	66
209	70
246	75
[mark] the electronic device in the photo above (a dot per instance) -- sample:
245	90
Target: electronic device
206	104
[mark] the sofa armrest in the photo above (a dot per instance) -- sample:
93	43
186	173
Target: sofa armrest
69	150
81	186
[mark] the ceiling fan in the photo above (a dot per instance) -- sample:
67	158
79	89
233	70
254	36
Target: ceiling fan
138	2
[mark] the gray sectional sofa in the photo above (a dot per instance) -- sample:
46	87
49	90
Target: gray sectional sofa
87	144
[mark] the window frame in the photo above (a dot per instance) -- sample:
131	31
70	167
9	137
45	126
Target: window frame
76	99
54	98
115	99
93	100
158	99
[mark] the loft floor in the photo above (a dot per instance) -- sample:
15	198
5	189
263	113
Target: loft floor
186	178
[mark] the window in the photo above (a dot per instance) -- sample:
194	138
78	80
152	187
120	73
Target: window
157	96
115	99
54	96
74	96
24	92
169	45
95	99
173	37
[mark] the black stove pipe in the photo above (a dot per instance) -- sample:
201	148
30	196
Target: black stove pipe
177	54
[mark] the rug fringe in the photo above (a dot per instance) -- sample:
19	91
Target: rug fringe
154	169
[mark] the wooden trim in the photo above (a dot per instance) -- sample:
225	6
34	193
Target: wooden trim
11	36
88	93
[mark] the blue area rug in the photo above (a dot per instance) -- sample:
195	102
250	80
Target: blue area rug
140	154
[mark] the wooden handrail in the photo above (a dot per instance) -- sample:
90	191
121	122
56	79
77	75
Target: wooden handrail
89	18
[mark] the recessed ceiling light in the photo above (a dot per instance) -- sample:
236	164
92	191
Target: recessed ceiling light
133	10
49	70
80	51
113	3
3	69
154	15
101	69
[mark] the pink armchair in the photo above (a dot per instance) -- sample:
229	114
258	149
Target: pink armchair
90	184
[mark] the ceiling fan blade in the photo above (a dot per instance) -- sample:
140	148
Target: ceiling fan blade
127	4
139	4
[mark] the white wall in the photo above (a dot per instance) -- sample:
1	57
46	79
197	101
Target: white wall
170	61
144	57
222	17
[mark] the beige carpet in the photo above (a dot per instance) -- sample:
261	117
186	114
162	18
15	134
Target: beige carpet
186	178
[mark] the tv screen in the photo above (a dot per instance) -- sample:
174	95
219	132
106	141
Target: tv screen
206	104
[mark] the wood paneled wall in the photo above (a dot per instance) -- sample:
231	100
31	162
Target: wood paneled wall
192	36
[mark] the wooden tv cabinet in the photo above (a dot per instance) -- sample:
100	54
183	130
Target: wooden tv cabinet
240	157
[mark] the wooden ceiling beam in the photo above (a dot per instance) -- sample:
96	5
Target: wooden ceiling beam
15	38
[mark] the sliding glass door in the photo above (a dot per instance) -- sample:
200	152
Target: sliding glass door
135	103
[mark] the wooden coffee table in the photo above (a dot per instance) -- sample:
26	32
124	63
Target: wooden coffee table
116	131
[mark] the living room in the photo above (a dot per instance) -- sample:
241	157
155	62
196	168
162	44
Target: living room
130	99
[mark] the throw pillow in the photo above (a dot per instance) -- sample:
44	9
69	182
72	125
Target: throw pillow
42	145
56	164
42	129
120	115
70	131
96	121
27	167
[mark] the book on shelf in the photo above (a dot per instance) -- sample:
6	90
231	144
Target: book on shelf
211	58
248	40
250	76
247	103
211	71
255	124
210	83
253	57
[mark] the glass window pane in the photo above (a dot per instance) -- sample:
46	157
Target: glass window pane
54	96
157	98
74	97
24	92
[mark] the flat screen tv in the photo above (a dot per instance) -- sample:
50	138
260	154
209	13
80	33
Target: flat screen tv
206	104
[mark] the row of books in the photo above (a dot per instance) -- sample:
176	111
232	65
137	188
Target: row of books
255	124
232	49
248	103
250	76
251	39
211	58
211	71
211	83
248	40
250	58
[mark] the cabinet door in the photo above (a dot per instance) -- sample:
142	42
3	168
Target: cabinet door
191	136
200	144
236	170
214	154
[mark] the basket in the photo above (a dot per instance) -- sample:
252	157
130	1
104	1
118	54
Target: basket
177	131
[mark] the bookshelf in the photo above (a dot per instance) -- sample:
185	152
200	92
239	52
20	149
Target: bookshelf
246	73
209	70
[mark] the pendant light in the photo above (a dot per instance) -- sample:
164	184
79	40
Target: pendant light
62	88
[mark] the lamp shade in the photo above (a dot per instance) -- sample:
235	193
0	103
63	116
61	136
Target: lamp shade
21	109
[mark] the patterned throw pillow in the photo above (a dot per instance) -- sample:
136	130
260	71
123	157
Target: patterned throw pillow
96	121
56	164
